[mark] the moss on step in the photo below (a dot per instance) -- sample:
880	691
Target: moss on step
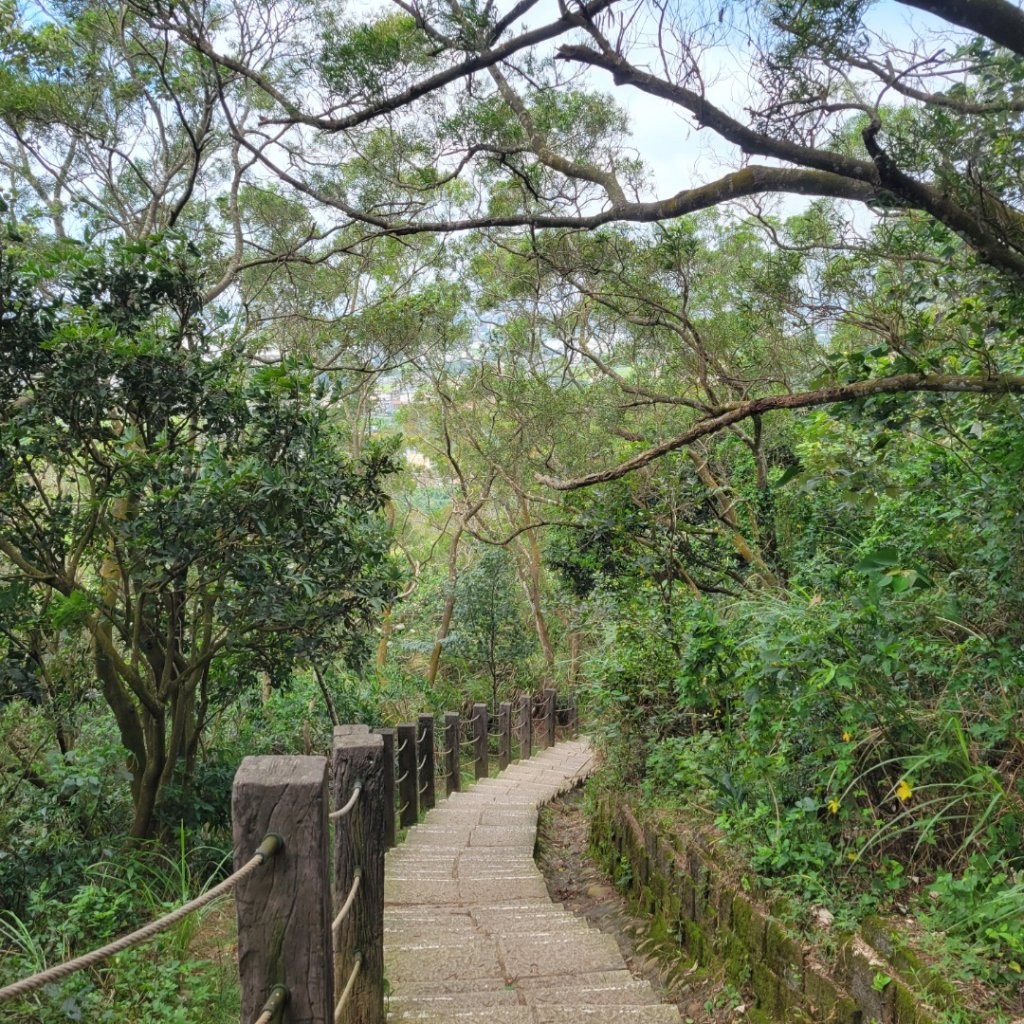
693	902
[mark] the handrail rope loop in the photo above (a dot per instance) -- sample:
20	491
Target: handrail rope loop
401	746
403	807
342	811
421	763
276	1001
422	736
268	847
402	777
422	789
357	876
340	1006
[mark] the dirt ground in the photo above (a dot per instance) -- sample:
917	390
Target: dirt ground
575	880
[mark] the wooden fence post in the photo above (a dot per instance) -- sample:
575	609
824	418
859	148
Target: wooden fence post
359	848
408	798
480	741
284	911
525	727
549	715
388	787
452	753
537	725
574	717
504	735
425	768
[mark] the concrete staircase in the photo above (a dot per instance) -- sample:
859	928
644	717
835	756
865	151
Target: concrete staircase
470	933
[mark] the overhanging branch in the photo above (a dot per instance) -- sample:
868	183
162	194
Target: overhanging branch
1000	384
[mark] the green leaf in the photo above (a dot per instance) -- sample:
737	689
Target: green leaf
881	558
791	472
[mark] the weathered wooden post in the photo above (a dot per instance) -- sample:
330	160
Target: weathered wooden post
425	769
452	753
549	715
359	847
574	717
525	727
408	798
388	785
504	736
540	732
479	722
284	910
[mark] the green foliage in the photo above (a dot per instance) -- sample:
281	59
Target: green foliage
985	908
165	499
489	631
369	59
859	733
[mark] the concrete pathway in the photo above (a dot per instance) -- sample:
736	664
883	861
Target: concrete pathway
470	933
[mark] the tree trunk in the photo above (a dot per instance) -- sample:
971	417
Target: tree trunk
328	699
533	590
449	605
728	516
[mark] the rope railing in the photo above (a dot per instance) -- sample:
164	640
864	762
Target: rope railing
349	899
339	1008
352	801
276	1002
270	845
299	888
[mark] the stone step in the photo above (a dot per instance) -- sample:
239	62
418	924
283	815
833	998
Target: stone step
470	933
570	1014
633	994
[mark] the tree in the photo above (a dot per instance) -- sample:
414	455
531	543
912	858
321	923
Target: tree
520	145
488	629
195	518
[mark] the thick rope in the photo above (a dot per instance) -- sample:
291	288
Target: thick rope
340	1007
272	1007
342	811
401	746
421	763
270	845
350	899
402	777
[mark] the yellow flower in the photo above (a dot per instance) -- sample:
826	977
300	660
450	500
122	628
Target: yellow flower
833	807
903	791
853	856
847	737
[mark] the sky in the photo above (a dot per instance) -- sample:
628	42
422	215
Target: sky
678	156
